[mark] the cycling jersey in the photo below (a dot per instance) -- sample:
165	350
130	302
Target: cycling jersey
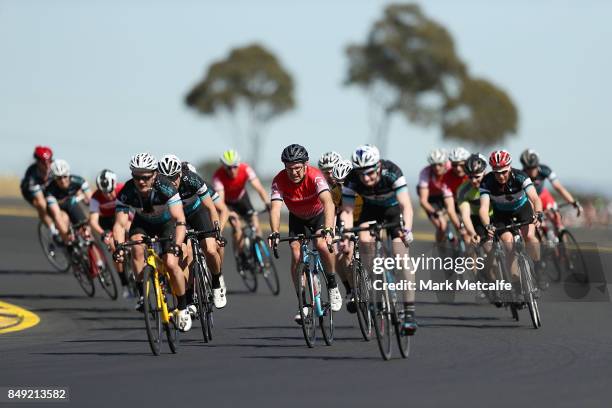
33	181
57	195
383	193
337	197
211	191
506	197
192	190
435	184
101	204
234	188
470	194
453	181
544	173
154	207
302	199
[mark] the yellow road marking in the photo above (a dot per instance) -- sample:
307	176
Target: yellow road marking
14	318
18	211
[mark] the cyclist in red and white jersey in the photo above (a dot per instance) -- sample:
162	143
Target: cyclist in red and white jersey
311	210
434	193
102	215
230	181
456	176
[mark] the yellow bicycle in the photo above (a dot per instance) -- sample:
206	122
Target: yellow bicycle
159	300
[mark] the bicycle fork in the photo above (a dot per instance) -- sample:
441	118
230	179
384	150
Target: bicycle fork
159	295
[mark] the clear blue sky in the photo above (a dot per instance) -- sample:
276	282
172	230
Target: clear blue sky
101	80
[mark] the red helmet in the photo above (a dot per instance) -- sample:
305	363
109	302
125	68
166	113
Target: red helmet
43	153
500	159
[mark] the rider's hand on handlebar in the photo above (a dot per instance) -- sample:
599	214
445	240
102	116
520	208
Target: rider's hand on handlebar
490	230
273	239
578	208
119	254
538	218
407	236
107	238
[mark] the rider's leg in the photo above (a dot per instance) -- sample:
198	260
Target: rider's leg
237	237
329	262
255	221
40	204
295	260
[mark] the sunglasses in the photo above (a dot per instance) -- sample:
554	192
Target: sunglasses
368	173
61	177
457	164
231	167
142	178
475	177
503	172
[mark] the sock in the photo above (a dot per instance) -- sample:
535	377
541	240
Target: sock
140	288
182	302
347	287
216	282
123	279
189	294
331	280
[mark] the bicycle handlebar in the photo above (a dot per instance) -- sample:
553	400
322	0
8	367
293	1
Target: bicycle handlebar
198	235
303	239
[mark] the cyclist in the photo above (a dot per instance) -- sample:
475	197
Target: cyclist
158	212
230	182
539	173
456	176
385	199
513	198
311	210
33	184
63	195
102	216
201	215
468	199
435	195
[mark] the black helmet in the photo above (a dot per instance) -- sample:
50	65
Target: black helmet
294	153
529	158
475	164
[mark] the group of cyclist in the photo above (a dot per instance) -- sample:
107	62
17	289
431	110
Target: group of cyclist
165	197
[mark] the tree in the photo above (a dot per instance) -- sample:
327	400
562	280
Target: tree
408	65
249	87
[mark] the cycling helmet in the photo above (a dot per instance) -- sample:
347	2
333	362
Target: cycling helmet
458	154
500	159
294	153
106	181
342	169
143	161
60	168
475	164
365	156
530	158
169	165
43	153
230	158
329	160
437	156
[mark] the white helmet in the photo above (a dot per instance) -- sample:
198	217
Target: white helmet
328	160
190	166
437	156
60	168
458	154
143	161
365	156
169	165
106	181
342	169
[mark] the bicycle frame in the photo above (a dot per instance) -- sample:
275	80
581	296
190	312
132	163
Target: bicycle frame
158	266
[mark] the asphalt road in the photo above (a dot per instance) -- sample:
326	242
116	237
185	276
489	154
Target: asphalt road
466	354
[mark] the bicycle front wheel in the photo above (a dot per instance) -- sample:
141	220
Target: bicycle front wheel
104	270
381	318
268	268
246	272
200	294
80	269
361	290
55	252
529	289
170	327
326	321
306	310
152	313
573	258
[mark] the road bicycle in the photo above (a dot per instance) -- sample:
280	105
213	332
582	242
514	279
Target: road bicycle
312	291
53	248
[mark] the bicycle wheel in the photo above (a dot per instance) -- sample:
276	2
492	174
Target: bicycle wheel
514	311
209	302
403	341
200	296
171	328
152	313
381	319
443	250
528	287
104	270
361	290
266	263
305	304
326	322
246	272
573	258
80	269
55	252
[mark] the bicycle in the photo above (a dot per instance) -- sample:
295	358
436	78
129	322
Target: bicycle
53	248
201	279
159	299
312	291
529	291
89	262
255	259
384	308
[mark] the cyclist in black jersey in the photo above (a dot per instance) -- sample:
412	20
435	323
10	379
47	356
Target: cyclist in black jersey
63	195
158	212
513	197
385	197
34	182
201	215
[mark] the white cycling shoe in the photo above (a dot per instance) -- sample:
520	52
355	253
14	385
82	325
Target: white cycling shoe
193	311
183	320
298	317
219	298
335	299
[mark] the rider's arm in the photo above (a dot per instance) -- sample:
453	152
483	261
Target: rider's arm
275	211
177	214
483	212
449	203
208	203
532	194
464	209
403	199
55	212
329	209
563	191
94	216
423	197
256	183
122	220
222	210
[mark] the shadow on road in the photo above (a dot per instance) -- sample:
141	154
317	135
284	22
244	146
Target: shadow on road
331	358
28	272
100	353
